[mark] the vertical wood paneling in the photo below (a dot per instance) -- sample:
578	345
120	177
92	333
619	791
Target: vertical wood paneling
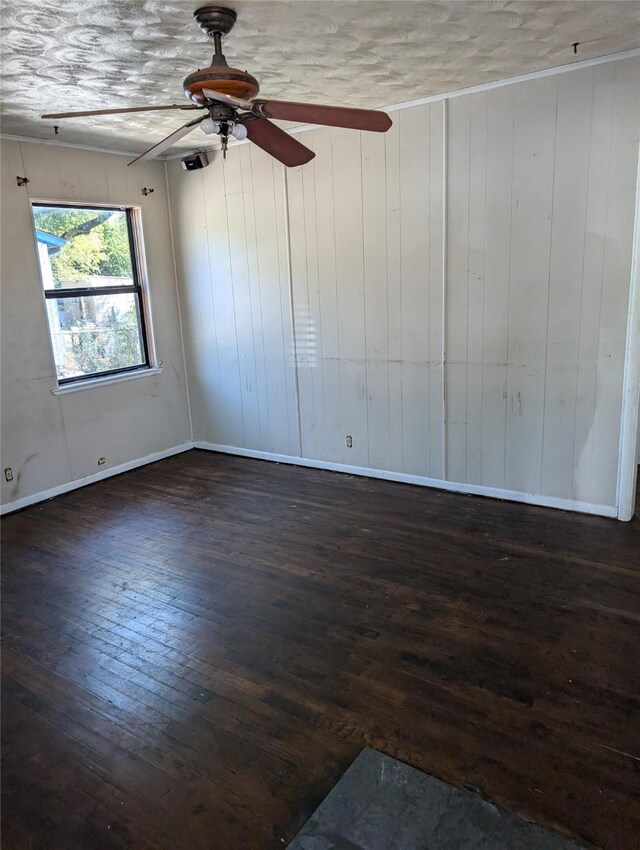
593	264
226	412
414	263
232	247
371	239
625	130
268	202
376	295
565	279
206	384
500	129
350	289
327	274
393	167
308	331
437	188
193	264
255	331
529	408
532	208
241	299
478	132
457	317
539	192
306	309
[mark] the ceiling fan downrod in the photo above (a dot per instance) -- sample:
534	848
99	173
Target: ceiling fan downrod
216	22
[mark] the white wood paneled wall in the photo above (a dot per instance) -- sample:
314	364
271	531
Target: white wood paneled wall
315	299
230	234
366	219
541	194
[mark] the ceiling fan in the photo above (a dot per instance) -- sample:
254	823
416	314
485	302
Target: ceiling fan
227	98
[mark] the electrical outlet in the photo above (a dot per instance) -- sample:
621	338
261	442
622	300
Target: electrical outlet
102	461
8	474
349	441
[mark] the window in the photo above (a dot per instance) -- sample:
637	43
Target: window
92	285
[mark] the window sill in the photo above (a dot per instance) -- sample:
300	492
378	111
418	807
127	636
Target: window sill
76	386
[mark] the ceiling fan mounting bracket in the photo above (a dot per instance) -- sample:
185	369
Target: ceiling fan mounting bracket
215	19
221	112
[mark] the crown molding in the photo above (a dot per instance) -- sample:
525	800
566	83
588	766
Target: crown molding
421	101
449	95
9	137
522	78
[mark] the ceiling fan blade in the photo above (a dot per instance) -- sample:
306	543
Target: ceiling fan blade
117	111
275	141
332	116
236	102
168	141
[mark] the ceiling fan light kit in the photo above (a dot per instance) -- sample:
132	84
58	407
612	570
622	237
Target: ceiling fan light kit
228	99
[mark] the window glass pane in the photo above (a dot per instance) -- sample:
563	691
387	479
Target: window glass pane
80	247
95	333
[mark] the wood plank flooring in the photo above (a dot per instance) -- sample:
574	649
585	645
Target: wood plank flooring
195	651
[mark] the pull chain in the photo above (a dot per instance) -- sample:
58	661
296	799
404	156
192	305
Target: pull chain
224	135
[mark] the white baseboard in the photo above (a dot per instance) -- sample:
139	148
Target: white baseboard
386	475
8	507
421	481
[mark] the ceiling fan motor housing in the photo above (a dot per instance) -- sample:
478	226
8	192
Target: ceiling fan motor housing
220	77
217	21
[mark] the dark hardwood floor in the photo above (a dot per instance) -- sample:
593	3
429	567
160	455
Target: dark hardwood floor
195	651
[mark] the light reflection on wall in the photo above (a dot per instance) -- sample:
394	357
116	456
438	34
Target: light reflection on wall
304	339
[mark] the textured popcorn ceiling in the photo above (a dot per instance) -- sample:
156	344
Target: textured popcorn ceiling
92	54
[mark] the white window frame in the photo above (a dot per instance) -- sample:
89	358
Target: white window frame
152	365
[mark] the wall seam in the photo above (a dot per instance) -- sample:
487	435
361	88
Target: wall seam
549	289
627	459
180	323
445	242
294	338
